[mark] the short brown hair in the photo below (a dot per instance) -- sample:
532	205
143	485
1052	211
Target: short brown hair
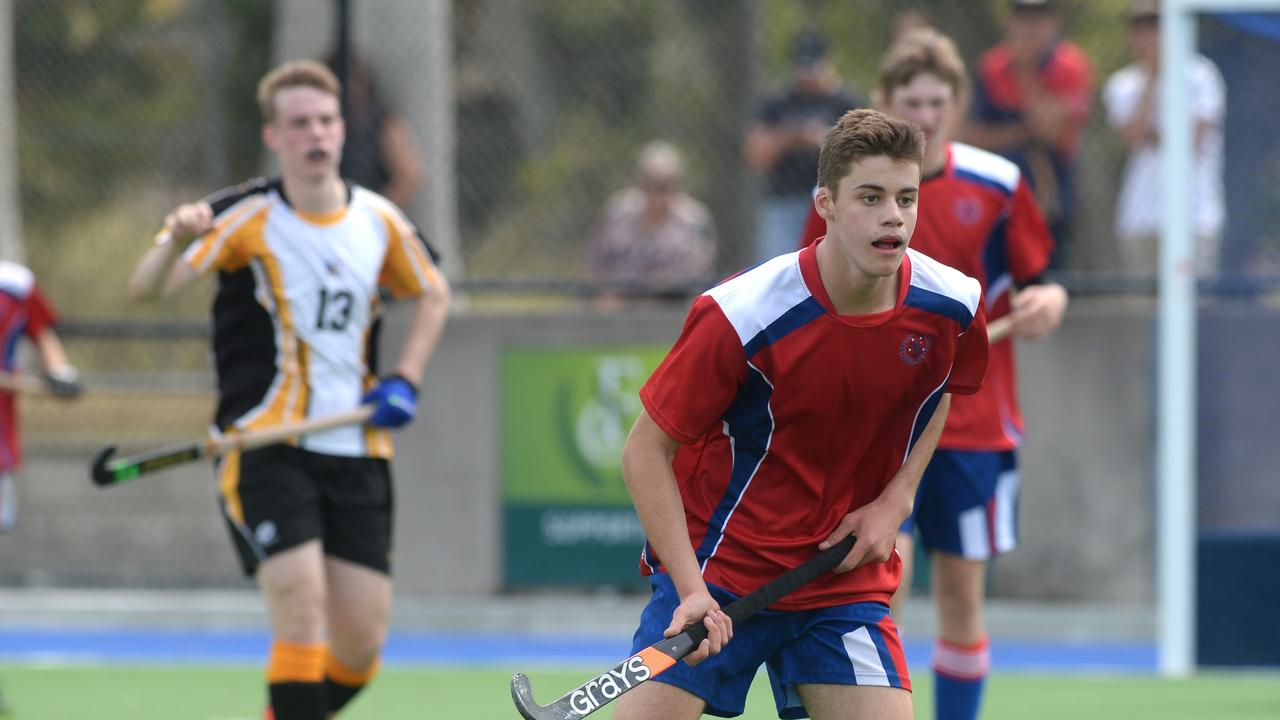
923	50
296	73
866	133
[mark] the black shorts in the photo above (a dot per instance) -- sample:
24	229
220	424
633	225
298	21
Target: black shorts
278	497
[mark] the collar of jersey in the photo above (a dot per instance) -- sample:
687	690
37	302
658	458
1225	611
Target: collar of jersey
329	218
808	261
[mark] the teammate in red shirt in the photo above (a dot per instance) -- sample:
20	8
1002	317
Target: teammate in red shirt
801	404
24	311
977	214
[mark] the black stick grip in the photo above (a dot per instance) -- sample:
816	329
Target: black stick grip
775	590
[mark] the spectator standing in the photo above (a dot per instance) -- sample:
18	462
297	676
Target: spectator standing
381	152
1132	102
783	142
654	238
1031	101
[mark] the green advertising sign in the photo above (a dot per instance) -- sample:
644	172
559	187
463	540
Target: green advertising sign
565	415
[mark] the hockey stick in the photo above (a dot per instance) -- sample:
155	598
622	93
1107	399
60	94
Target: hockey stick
24	383
106	471
999	329
656	658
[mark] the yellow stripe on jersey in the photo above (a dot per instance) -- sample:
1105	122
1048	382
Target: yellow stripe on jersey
377	441
286	400
406	269
225	247
229	485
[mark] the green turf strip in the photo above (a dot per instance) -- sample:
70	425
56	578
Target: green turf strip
157	693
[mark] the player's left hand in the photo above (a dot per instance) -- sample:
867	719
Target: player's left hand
876	526
63	382
1037	310
395	401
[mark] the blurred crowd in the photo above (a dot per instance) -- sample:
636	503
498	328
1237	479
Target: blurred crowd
1031	96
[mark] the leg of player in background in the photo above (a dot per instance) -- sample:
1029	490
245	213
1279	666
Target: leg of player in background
8	503
961	657
293	583
359	617
8	518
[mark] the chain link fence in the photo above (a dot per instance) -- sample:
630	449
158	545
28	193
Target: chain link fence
528	117
125	107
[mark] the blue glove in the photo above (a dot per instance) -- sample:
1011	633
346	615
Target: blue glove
395	400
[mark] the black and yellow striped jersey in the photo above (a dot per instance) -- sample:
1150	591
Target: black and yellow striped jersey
296	311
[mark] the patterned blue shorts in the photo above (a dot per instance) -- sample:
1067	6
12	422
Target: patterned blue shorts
967	504
854	644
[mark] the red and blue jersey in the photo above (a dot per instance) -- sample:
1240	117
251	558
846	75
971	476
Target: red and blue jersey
23	311
979	216
790	416
1065	73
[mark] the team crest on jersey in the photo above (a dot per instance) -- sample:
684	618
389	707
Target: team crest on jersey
968	210
333	267
915	348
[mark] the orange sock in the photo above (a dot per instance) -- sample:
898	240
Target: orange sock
295	681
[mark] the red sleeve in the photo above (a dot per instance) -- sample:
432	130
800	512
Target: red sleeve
1073	81
970	364
814	227
1028	242
689	392
40	313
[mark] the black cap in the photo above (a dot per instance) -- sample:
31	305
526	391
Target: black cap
807	48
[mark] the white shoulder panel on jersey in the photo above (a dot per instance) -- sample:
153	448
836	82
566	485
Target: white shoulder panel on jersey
753	300
986	165
929	274
16	279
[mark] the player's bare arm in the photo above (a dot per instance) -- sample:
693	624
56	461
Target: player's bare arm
1037	310
61	377
646	469
876	524
430	310
159	274
763	147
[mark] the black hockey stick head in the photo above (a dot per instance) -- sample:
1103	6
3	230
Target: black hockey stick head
106	471
103	477
605	688
522	695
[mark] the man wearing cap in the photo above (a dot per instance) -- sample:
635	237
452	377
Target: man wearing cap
782	144
1132	102
1030	102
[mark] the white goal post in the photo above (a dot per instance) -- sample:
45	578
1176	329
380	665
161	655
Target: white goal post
1176	342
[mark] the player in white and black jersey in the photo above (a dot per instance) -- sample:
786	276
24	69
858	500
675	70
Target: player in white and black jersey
301	263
